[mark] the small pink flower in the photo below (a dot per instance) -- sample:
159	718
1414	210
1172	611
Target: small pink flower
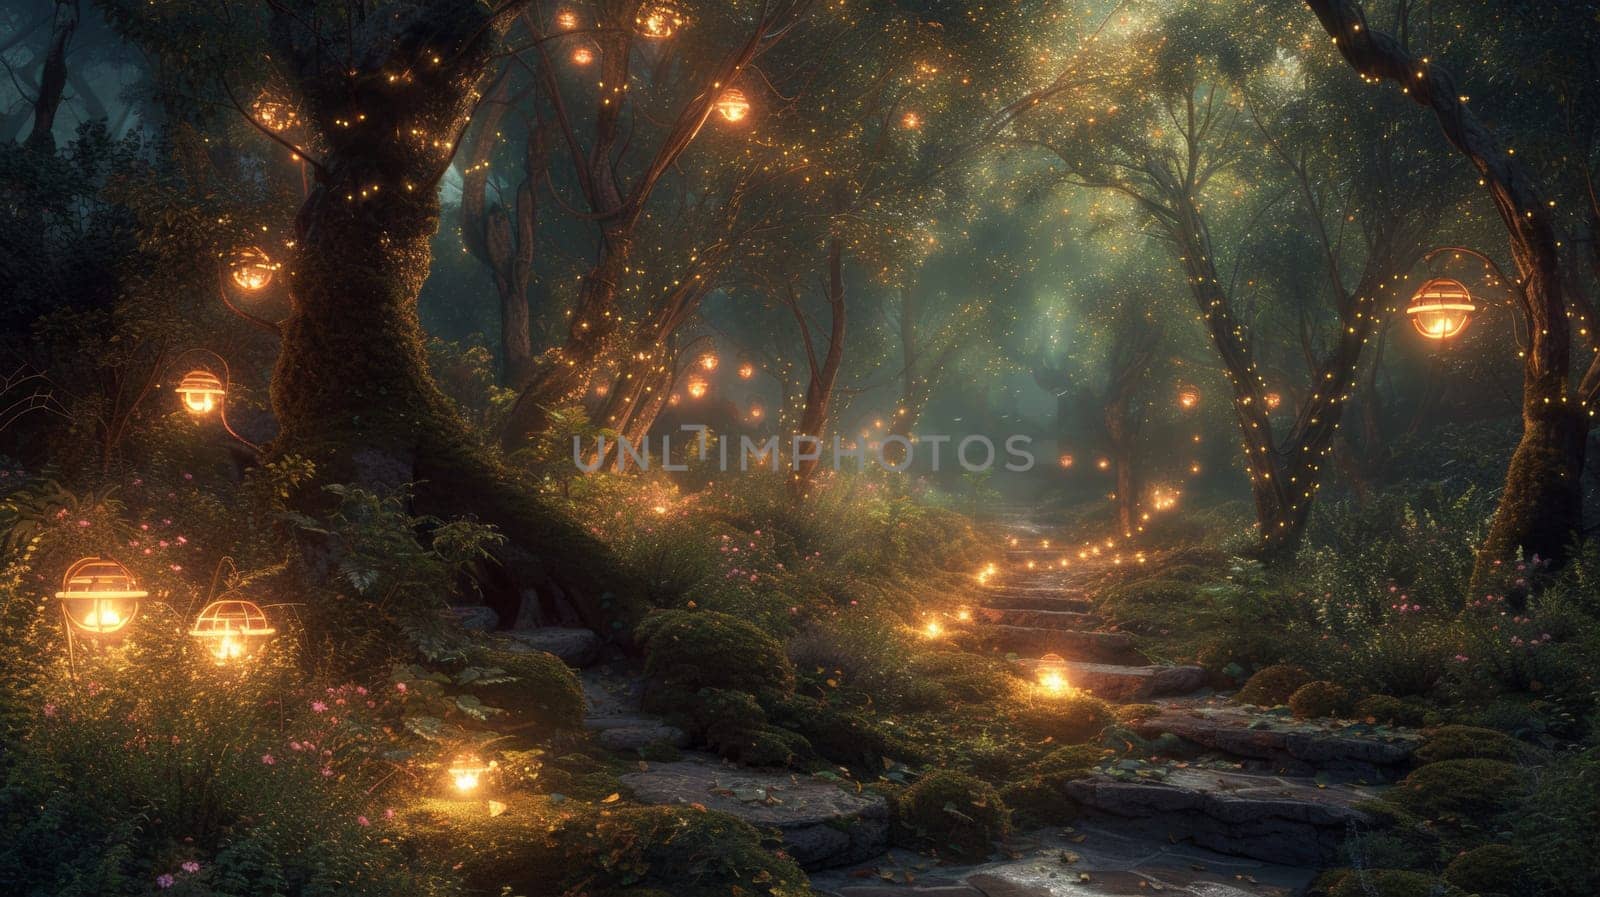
400	686
327	771
362	820
1462	658
388	813
165	880
83	523
50	710
318	706
191	867
268	759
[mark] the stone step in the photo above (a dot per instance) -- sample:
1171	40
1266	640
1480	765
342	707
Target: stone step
1102	647
1275	819
1087	860
1053	599
1347	750
611	711
822	825
1037	619
577	648
1130	684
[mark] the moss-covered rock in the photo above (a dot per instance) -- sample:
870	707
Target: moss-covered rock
1069	719
1493	869
1386	883
1392	711
1038	795
1474	791
539	847
1127	713
962	677
1319	699
840	735
544	691
688	650
1273	685
954	814
1473	743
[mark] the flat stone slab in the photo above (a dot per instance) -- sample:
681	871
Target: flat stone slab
1130	684
1036	618
1042	599
821	824
577	648
1275	819
1086	861
612	712
1112	647
1358	750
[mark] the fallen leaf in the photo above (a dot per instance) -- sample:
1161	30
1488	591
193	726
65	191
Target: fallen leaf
612	798
496	808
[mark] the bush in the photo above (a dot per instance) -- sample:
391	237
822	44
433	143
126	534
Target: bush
1069	719
1316	700
1273	685
1470	743
687	650
1038	795
542	690
1392	711
954	813
1388	883
1558	830
1470	791
1488	870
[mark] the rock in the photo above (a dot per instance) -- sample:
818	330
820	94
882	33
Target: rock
475	618
1037	619
821	824
1129	684
578	648
1298	746
1270	818
637	733
1107	647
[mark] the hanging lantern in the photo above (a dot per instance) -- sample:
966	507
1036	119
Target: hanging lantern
911	121
1188	397
709	361
582	56
99	596
252	270
201	392
1441	308
674	399
756	411
1065	461
658	21
733	105
1052	673
696	388
746	371
1272	400
933	629
231	628
566	20
467	772
274	115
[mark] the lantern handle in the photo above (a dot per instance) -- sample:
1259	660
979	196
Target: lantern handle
227	384
273	327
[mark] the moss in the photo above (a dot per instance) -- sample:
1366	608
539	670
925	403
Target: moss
545	692
539	847
688	650
1392	711
1386	883
1486	870
1069	719
1319	699
1038	796
1471	742
842	736
1126	713
962	677
1273	685
1468	790
954	814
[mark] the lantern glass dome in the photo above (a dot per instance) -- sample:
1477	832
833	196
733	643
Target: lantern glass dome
733	105
201	392
697	388
1188	397
231	628
99	596
1052	673
658	21
467	772
252	270
1441	308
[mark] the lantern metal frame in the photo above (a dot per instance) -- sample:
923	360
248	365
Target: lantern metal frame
734	105
90	584
1050	674
232	627
226	387
224	278
1441	295
206	386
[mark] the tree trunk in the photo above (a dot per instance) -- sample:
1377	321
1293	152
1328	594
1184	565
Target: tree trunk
352	389
53	78
819	386
1540	510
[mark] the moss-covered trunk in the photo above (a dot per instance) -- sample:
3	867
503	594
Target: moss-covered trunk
352	389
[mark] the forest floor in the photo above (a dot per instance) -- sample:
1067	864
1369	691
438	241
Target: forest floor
1207	797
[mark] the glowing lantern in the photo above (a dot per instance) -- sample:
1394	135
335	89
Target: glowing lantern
252	270
467	772
201	392
658	21
567	20
756	411
582	56
1103	463
932	630
709	361
733	105
964	614
1066	461
602	389
1052	673
99	596
1441	308
746	371
674	399
911	121
1273	400
273	115
231	628
697	388
1188	397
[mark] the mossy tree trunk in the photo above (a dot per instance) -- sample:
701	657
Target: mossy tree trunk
388	98
1540	510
